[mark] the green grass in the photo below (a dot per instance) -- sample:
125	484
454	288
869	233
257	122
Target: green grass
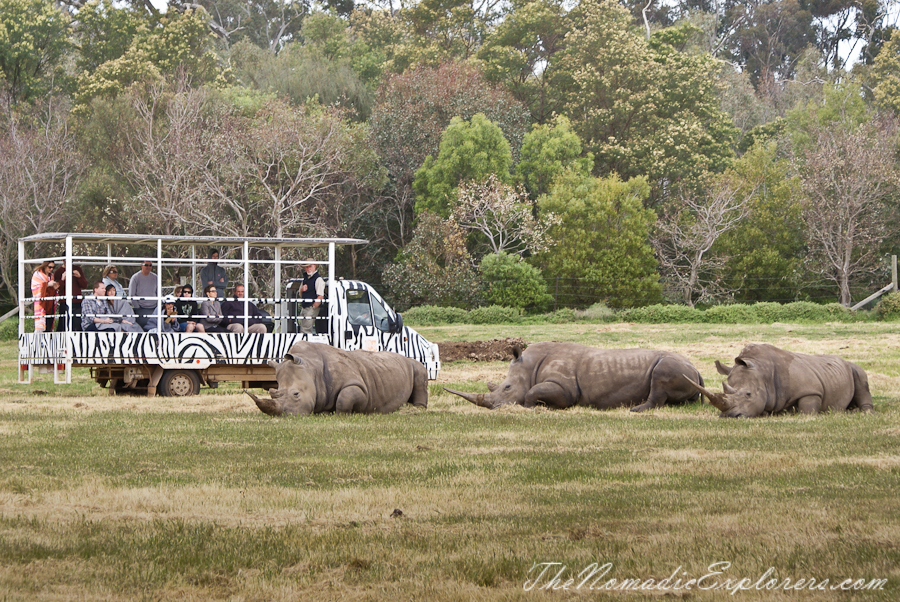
208	499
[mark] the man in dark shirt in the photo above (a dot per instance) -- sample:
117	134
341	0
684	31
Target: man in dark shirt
79	282
233	310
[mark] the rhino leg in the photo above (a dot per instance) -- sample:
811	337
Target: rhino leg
810	404
862	398
419	397
548	393
667	384
351	399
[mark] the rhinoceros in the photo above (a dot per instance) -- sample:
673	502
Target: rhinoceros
766	379
316	378
562	375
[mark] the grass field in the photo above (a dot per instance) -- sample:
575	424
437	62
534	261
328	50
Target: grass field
127	498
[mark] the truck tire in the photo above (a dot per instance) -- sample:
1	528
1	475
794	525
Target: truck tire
179	383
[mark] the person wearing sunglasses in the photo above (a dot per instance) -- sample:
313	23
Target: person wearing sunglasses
142	290
110	277
188	310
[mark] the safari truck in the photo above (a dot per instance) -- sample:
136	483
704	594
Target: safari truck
353	316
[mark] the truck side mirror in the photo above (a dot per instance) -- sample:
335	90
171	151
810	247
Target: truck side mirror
397	325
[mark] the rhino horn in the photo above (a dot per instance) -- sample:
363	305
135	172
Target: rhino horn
476	398
717	400
728	388
267	406
491	386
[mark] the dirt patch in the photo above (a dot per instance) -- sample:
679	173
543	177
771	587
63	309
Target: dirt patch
495	350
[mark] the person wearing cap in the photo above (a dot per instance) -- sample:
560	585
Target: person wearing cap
168	321
312	292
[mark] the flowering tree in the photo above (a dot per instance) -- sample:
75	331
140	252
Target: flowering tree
503	217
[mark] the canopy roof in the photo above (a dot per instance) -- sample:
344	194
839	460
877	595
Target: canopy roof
187	241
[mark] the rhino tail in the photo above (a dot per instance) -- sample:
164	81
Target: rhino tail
267	406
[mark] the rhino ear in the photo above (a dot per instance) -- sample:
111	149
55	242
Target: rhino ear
723	369
745	362
273	364
290	357
517	352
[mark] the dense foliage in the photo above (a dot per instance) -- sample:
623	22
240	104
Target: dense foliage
626	153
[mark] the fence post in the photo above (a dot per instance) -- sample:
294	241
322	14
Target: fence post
894	272
556	296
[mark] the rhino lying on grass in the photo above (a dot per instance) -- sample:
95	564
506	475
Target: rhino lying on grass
562	375
766	379
316	378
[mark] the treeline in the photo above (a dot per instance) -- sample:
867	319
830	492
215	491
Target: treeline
525	154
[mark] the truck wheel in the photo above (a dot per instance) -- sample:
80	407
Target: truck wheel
179	383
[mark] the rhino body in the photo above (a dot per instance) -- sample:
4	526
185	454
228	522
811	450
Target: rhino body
766	379
316	378
562	375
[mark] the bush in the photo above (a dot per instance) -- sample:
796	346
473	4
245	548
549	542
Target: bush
889	307
511	282
598	312
662	314
494	314
730	314
561	316
805	311
432	315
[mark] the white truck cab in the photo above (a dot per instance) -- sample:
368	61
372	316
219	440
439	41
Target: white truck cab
353	317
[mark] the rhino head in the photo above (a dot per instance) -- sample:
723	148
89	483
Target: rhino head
296	392
748	392
510	391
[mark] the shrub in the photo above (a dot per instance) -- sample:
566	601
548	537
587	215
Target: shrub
805	311
889	307
511	282
662	314
494	314
598	312
561	316
730	314
432	315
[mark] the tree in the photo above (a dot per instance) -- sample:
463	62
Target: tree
643	108
40	169
547	151
510	281
765	253
268	24
178	44
413	110
602	250
885	76
501	217
521	54
105	32
685	236
469	150
848	173
34	39
435	268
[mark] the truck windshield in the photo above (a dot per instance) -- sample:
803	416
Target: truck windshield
358	310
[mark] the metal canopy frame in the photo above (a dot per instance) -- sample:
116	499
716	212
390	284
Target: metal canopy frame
69	239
